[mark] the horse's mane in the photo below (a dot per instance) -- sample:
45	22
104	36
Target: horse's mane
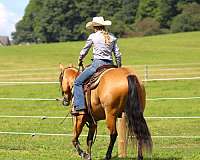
60	80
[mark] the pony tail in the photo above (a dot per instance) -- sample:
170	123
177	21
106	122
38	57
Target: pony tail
105	34
106	37
137	127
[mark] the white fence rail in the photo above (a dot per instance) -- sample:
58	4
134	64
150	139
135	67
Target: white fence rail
159	72
83	135
54	82
54	99
57	117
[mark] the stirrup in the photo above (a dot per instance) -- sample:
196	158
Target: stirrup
77	113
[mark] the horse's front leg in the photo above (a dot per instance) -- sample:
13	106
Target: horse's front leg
111	124
79	122
90	137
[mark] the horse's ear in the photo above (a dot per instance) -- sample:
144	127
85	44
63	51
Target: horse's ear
71	65
62	67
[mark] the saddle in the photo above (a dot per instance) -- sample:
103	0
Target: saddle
90	84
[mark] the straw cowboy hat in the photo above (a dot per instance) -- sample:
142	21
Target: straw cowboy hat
98	21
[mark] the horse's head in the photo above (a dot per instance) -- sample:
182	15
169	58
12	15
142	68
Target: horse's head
66	78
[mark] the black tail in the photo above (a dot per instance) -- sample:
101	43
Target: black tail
137	127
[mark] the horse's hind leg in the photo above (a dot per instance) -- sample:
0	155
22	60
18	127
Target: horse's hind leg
78	126
111	124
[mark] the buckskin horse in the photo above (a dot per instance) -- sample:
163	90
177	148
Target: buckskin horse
119	90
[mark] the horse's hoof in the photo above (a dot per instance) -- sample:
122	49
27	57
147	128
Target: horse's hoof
107	158
140	158
86	156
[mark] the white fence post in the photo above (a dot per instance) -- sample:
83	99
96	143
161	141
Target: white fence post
146	74
122	139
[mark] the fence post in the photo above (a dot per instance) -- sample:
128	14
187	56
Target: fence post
122	140
146	74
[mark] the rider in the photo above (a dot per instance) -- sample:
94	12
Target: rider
104	44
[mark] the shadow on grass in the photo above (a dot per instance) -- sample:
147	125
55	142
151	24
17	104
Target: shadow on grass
153	158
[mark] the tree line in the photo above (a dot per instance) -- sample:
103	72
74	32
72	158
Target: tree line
64	20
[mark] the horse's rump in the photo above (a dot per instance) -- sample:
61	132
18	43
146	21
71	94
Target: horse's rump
113	90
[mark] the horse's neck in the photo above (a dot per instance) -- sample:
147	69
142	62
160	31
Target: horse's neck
74	73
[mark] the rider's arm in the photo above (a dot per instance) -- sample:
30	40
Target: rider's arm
117	54
86	48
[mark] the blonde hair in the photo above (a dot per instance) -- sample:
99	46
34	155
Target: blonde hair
105	34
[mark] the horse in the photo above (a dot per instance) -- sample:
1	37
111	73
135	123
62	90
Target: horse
119	90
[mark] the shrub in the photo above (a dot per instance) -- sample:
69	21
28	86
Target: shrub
148	26
188	20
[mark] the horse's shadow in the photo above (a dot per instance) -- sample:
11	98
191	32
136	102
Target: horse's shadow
153	158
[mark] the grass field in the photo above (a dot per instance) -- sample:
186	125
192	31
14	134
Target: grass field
176	55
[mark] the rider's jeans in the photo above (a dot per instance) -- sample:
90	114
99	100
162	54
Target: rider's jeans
79	100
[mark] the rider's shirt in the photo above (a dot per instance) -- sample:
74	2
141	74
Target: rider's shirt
101	50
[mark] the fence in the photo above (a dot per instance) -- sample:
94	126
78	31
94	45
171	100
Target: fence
146	72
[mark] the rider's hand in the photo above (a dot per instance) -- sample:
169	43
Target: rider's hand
80	62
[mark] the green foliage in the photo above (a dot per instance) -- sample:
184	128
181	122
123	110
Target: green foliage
30	22
122	14
166	11
188	20
63	20
162	11
147	8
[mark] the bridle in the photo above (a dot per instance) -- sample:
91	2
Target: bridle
60	80
66	99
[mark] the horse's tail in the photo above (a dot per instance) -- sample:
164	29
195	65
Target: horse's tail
137	127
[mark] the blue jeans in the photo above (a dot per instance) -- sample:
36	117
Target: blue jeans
79	100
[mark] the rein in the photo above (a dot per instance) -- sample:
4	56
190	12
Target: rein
81	66
64	119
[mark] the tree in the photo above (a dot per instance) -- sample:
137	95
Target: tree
122	13
86	9
25	27
167	9
188	20
147	8
63	20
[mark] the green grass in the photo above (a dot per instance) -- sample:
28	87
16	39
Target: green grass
40	63
175	48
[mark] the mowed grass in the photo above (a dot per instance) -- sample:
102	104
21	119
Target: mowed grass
165	49
40	63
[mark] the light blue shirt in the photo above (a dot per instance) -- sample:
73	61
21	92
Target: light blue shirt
101	50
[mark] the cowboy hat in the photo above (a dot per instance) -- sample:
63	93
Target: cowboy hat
98	21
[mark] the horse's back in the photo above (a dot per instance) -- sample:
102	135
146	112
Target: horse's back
115	81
